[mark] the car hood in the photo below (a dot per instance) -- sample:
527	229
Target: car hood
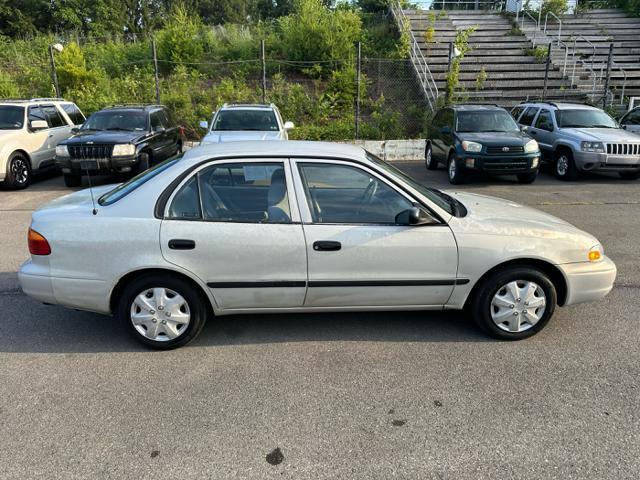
240	136
79	201
603	134
515	139
104	137
497	216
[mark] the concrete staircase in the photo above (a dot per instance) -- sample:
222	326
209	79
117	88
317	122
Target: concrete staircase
512	75
592	32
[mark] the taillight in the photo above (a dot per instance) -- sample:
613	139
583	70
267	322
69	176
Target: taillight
38	245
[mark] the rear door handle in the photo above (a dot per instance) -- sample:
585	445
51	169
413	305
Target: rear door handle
326	246
181	244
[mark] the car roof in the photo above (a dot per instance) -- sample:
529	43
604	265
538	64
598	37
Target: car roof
248	106
559	106
29	101
475	107
276	149
143	107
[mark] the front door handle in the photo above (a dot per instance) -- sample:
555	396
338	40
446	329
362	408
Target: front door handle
326	246
181	244
532	132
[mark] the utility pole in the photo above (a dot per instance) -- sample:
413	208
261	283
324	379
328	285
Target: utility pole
264	72
155	70
605	100
359	65
54	74
546	71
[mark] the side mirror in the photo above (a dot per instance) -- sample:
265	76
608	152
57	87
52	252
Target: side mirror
204	124
523	128
75	130
38	124
414	216
445	130
289	125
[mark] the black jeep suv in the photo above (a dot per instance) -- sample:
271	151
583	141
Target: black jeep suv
480	138
119	139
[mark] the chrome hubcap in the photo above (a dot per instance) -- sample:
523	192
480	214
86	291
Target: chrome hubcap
452	169
562	165
160	314
518	306
19	170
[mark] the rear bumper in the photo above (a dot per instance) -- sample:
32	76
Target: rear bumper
588	281
498	164
105	165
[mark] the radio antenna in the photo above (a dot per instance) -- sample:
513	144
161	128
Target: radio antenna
93	202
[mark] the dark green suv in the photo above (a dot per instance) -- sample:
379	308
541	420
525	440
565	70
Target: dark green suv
480	138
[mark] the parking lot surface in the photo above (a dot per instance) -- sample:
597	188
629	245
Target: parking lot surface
408	395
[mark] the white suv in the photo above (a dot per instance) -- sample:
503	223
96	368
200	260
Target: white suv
29	133
241	122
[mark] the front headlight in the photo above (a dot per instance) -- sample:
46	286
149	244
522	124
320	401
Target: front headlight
471	146
531	147
123	150
594	147
596	253
62	151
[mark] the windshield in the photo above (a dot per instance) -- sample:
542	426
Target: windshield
237	120
485	121
444	201
11	117
583	118
127	120
128	187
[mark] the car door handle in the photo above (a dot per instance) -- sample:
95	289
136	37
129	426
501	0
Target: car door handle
181	244
326	246
533	132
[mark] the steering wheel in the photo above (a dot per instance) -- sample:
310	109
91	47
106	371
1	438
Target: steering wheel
368	195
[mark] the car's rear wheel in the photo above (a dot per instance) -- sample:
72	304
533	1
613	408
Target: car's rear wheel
72	180
162	311
514	303
454	171
527	177
565	167
429	161
18	172
629	175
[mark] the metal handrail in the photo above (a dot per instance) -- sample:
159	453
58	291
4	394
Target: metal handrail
535	32
587	41
546	18
418	61
624	81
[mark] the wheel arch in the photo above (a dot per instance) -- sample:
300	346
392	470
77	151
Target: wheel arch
552	271
119	287
22	152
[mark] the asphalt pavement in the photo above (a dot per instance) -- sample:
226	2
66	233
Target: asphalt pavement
407	395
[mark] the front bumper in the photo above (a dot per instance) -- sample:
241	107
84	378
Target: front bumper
98	165
498	164
587	281
603	162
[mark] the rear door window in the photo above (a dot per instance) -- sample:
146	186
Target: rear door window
528	116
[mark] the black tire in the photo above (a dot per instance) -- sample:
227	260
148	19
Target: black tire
144	162
629	175
179	148
430	162
527	177
454	171
564	166
194	300
72	180
481	304
18	174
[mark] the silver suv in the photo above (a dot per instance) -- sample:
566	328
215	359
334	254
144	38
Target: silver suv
29	133
580	138
241	122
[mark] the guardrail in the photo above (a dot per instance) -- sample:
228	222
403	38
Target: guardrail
428	84
546	19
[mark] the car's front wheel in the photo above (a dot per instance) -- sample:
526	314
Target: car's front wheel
144	162
514	303
429	161
454	171
18	172
72	180
629	175
162	311
565	167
